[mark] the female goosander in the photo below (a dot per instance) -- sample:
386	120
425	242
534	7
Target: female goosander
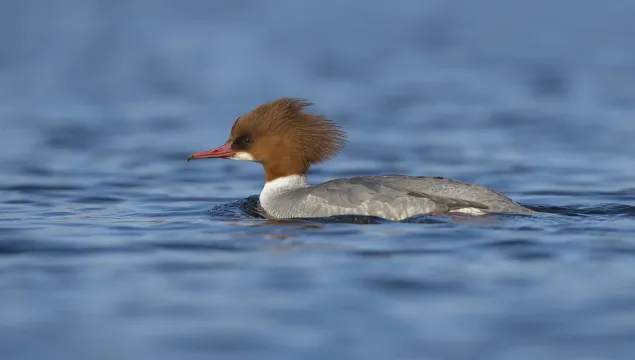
286	140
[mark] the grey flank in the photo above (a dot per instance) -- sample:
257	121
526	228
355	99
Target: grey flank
393	197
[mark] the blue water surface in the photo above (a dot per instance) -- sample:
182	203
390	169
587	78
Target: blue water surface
112	246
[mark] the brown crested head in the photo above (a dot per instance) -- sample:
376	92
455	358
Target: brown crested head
283	137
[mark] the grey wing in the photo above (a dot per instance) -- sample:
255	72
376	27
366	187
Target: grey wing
450	203
368	196
454	189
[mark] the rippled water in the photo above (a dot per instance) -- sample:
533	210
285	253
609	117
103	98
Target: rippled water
113	246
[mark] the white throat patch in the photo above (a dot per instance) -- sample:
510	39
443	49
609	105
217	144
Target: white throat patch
242	155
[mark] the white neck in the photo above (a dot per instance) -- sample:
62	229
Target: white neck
284	184
279	186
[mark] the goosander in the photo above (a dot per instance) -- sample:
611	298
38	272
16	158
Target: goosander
286	139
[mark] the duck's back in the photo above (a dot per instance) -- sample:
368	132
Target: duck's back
454	189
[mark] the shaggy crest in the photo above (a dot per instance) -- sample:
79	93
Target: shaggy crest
283	130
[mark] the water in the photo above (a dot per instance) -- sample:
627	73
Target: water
108	248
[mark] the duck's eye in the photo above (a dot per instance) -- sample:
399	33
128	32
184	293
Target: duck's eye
243	141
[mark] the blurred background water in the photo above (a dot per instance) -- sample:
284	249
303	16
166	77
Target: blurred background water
108	249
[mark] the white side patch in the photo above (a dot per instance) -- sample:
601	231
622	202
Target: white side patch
469	210
242	155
